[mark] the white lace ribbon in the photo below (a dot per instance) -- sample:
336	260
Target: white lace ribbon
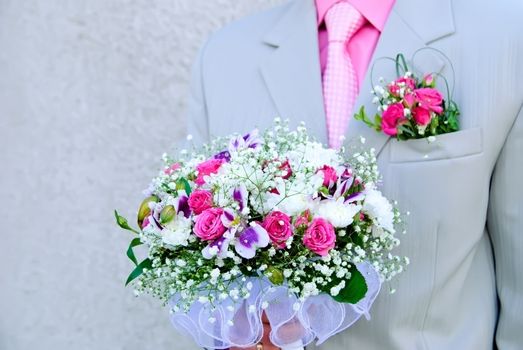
292	321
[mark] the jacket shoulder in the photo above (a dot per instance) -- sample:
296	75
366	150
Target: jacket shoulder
237	36
501	17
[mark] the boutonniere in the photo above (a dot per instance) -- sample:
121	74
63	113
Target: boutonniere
411	106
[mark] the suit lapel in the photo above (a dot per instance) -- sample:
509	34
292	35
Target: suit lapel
292	73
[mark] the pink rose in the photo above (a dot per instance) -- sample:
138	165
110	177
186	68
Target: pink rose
200	200
392	118
208	225
405	83
421	116
429	98
329	175
278	226
206	168
319	237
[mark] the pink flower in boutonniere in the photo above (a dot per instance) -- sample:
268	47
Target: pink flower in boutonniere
411	107
405	83
428	80
392	118
409	100
429	98
421	115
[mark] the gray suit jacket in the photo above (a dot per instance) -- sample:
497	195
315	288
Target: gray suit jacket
464	287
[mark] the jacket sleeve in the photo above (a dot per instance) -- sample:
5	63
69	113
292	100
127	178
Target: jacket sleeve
197	116
505	224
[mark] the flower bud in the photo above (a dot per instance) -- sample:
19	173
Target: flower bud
275	275
167	214
429	81
144	210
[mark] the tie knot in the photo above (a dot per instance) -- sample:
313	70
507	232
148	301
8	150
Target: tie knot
342	21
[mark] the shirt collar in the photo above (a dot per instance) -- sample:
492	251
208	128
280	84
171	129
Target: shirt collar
375	11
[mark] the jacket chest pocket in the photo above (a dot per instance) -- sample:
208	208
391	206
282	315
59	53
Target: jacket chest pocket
457	144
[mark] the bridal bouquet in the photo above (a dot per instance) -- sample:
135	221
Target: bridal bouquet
272	223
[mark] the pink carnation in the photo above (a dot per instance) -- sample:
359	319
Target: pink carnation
278	226
329	175
319	237
206	168
208	225
392	118
430	99
199	200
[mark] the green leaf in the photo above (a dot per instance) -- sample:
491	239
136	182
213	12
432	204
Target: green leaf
355	288
377	119
130	253
324	190
359	115
183	184
122	222
401	63
138	270
362	116
434	126
404	129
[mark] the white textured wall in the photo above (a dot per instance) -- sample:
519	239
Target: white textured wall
91	93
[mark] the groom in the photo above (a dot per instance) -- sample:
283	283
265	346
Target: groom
311	60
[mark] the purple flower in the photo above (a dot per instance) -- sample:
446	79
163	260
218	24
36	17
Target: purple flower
347	173
239	194
357	196
182	205
250	140
225	155
221	245
342	187
227	217
251	238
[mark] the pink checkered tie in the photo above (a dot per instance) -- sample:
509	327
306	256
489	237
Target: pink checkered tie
340	83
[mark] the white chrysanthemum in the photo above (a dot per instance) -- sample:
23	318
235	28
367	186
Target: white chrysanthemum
295	204
314	155
379	209
338	213
177	231
290	205
292	198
